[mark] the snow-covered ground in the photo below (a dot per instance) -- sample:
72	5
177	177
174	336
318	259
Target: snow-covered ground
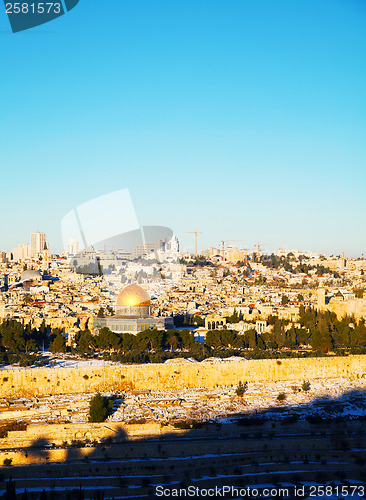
332	397
328	398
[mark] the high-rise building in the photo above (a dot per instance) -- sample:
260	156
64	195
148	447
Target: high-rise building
73	246
21	252
162	247
38	241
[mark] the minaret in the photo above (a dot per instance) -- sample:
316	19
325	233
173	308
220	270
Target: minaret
321	299
45	265
344	261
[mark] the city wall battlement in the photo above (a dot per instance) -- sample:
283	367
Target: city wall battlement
28	382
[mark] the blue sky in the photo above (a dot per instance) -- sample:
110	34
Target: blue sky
244	119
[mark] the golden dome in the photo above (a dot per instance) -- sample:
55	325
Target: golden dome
133	296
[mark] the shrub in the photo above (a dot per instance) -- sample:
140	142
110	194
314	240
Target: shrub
305	386
241	388
281	397
7	461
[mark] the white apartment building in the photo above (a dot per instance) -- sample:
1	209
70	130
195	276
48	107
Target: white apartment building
22	252
73	246
38	241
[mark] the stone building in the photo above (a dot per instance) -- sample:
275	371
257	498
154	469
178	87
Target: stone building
342	303
133	313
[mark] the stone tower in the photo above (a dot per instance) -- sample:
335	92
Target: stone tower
321	299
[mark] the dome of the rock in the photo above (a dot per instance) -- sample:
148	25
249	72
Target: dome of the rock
133	301
133	313
133	295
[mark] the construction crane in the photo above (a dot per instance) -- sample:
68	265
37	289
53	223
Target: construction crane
258	247
223	246
196	233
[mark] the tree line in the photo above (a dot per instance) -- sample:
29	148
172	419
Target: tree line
148	345
320	331
20	342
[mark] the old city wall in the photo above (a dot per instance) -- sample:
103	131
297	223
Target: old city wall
27	382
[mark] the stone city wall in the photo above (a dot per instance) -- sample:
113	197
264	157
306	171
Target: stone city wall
28	382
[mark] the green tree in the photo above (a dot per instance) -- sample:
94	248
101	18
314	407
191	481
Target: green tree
30	338
58	342
85	343
13	336
321	341
234	318
218	339
150	340
128	342
199	351
98	408
172	341
107	340
250	338
284	300
187	338
100	313
199	321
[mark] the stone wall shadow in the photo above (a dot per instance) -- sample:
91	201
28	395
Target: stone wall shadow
260	444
